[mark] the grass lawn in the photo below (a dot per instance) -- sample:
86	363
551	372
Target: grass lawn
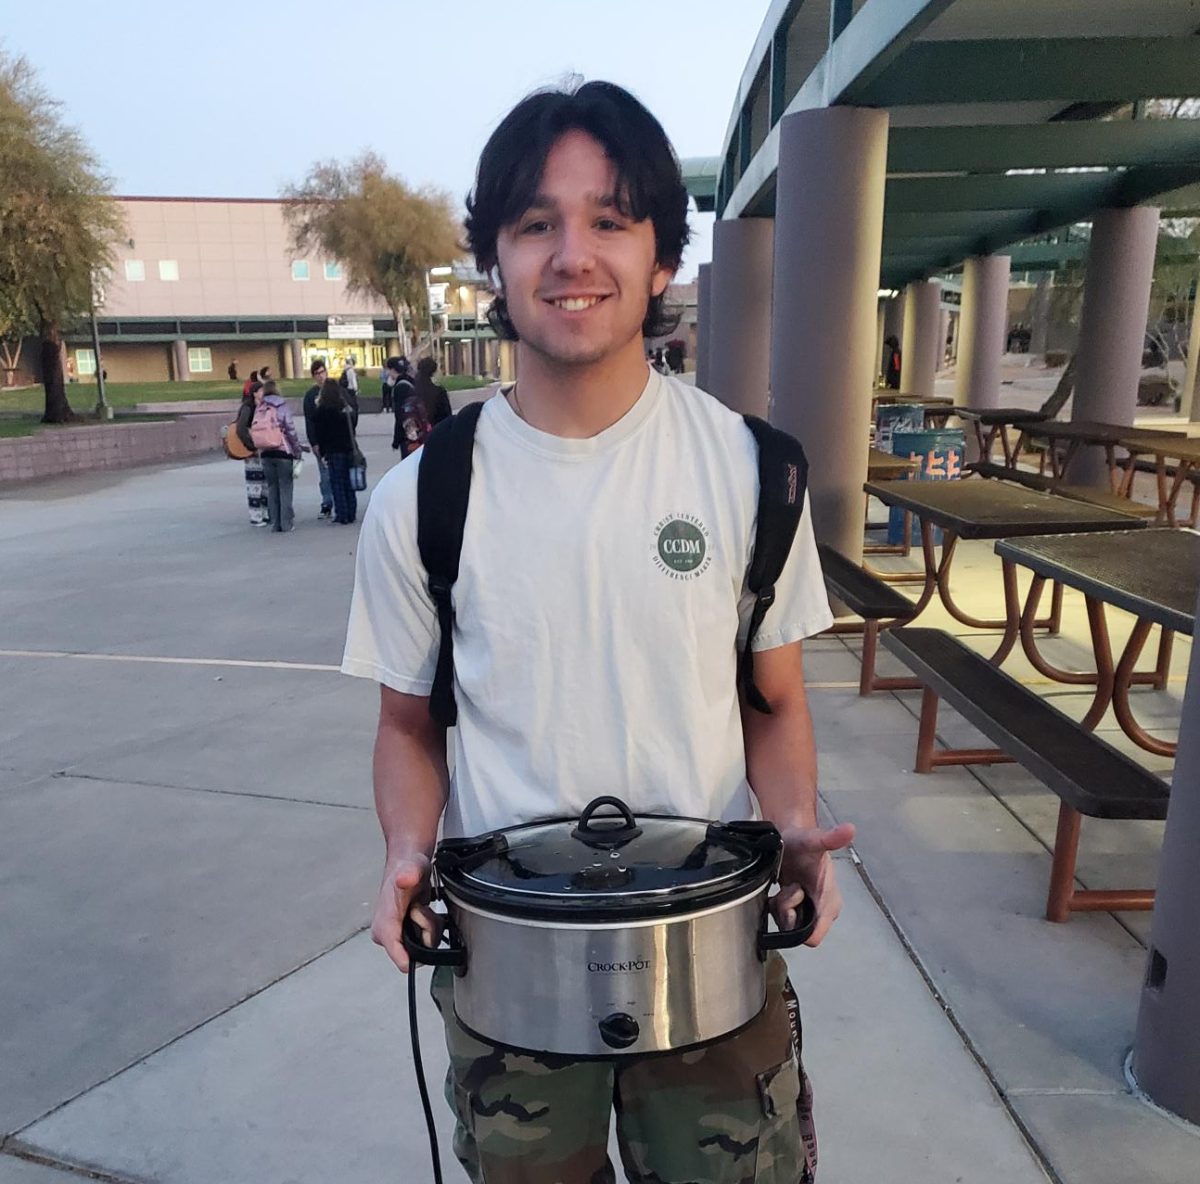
82	395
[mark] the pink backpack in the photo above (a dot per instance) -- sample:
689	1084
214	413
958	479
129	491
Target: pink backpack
265	430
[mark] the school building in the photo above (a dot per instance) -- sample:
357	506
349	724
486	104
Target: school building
199	284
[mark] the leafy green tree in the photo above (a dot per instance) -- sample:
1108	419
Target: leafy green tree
385	234
57	221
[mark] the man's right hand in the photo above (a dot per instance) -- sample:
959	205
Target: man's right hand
405	889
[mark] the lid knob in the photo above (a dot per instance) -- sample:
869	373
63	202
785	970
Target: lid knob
608	832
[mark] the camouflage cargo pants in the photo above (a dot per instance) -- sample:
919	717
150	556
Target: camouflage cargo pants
734	1112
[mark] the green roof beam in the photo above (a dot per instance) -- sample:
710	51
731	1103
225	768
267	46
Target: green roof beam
988	148
1058	69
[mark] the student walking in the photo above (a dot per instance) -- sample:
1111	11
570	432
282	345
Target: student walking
319	375
256	481
422	410
332	439
274	434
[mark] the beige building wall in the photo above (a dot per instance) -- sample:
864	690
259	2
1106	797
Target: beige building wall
230	256
132	363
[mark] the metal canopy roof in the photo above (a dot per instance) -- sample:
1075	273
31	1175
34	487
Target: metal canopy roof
1009	118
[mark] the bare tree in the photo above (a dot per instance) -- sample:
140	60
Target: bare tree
385	234
57	221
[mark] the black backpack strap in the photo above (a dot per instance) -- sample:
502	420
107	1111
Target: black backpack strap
443	489
782	480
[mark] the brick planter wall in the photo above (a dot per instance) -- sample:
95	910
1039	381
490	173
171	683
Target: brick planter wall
52	452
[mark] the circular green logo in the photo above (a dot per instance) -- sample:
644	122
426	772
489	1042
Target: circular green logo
681	546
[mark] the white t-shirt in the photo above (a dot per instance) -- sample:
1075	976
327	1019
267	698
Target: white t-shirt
598	607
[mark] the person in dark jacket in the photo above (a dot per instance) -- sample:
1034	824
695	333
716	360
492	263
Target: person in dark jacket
332	436
319	375
421	404
256	481
891	362
437	402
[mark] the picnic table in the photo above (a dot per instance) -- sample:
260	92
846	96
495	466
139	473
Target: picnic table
1065	438
1153	574
989	510
886	466
990	423
1165	447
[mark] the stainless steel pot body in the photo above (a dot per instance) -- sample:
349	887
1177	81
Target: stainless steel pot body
603	988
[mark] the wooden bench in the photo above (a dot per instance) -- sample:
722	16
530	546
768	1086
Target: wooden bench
874	601
1088	775
1077	493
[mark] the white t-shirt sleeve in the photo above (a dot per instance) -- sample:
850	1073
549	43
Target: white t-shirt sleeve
393	635
801	607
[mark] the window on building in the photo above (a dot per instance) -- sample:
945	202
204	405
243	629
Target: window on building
85	362
299	269
168	270
333	271
199	359
135	270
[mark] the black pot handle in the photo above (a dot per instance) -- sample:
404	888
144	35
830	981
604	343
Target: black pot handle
786	939
606	836
418	951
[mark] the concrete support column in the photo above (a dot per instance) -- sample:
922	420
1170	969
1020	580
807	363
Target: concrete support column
179	361
1166	1049
293	359
703	324
1112	328
739	335
828	242
1190	396
984	319
508	361
918	352
943	336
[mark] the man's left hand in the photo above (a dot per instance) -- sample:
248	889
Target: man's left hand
807	870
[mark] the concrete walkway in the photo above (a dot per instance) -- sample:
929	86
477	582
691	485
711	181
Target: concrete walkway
188	858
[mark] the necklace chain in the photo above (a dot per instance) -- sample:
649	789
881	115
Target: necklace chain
516	403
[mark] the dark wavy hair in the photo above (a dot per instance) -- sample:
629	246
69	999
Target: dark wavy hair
649	183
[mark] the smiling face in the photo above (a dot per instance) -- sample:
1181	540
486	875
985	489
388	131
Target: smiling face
578	275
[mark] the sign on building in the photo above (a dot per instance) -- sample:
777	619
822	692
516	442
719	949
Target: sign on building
351	329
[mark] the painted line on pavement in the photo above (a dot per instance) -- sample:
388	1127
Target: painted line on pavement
162	661
849	684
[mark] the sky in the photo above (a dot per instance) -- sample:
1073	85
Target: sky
226	99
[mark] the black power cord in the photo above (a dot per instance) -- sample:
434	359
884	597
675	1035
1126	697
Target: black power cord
420	1071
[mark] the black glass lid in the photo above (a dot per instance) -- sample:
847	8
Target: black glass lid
608	859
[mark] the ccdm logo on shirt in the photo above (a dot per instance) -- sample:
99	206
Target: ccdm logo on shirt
681	546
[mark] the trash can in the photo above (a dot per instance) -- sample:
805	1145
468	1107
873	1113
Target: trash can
940	458
897	417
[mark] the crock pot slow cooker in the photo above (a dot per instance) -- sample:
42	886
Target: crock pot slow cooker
609	934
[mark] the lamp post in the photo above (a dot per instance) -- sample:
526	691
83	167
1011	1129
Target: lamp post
103	410
442	270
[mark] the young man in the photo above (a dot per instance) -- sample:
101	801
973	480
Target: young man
319	374
585	663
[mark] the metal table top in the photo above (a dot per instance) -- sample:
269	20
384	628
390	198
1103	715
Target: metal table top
1096	432
1154	574
884	466
996	510
994	416
1169	446
891	398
